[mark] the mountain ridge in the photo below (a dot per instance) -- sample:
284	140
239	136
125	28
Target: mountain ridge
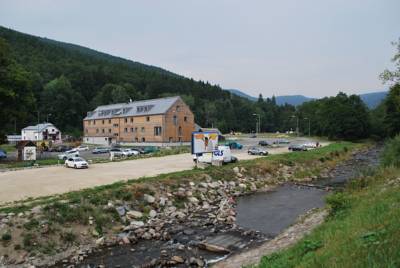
372	99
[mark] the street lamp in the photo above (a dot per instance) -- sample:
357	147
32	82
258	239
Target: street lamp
309	126
258	124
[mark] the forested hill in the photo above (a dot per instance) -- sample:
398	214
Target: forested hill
65	81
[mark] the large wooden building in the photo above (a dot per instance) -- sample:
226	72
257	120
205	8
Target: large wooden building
156	121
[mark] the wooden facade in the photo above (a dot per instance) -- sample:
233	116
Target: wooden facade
175	124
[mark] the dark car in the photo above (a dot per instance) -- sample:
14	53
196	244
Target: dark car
60	148
3	154
297	147
233	145
264	143
281	141
100	150
257	151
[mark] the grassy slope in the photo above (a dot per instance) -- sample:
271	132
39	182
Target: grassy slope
362	231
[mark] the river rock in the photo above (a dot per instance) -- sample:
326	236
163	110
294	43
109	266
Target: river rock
100	241
242	186
177	259
203	185
149	198
163	201
236	170
137	223
193	200
133	214
121	211
152	213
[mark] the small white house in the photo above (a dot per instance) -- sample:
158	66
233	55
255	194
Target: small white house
41	132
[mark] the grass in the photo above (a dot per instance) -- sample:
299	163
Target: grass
8	148
361	231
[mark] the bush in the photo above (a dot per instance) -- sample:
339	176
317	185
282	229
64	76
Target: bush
391	152
6	237
338	203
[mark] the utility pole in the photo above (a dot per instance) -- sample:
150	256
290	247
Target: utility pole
258	123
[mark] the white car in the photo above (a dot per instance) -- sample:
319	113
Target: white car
310	145
76	162
82	148
131	152
68	154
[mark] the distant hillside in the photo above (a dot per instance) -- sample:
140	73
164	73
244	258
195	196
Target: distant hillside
373	99
370	99
292	99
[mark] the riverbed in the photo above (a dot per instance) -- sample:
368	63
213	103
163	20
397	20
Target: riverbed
260	216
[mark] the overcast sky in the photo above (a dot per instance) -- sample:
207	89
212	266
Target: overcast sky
313	47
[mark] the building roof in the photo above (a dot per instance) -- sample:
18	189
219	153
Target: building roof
39	127
135	108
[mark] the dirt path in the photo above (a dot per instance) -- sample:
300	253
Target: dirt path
17	185
289	237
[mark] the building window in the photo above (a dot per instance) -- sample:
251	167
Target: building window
115	125
131	119
157	131
126	120
102	121
135	129
116	134
136	139
131	129
185	119
109	121
148	118
102	130
180	131
86	130
143	139
178	108
94	122
126	130
97	130
109	130
142	129
175	120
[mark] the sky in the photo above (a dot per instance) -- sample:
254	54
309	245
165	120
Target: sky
310	47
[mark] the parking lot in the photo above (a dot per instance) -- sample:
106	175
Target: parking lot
36	182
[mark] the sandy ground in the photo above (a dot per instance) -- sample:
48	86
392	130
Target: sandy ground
21	184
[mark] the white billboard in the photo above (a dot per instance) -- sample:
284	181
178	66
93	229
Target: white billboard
204	142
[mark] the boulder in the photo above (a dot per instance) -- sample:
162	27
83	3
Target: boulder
236	170
152	213
177	259
133	214
149	198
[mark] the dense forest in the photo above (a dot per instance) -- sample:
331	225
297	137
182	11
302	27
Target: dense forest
46	79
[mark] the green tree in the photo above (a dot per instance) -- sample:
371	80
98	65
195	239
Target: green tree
392	112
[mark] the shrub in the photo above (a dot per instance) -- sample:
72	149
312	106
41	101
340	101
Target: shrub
6	237
338	203
391	152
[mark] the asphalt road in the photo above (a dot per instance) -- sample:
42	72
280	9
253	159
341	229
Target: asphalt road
36	182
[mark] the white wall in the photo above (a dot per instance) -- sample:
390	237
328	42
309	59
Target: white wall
96	140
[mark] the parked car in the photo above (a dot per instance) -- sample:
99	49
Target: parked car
281	141
3	154
82	148
310	145
100	150
257	151
234	145
119	152
130	152
253	135
264	143
68	154
297	147
60	148
76	162
150	149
